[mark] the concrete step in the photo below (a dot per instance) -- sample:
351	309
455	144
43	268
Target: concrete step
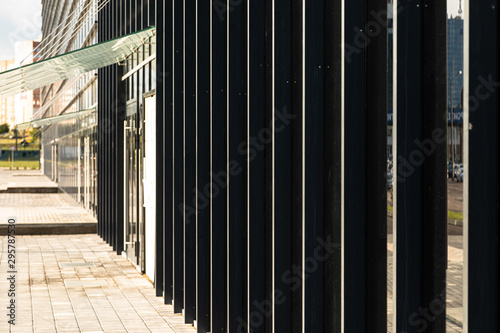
25	189
51	228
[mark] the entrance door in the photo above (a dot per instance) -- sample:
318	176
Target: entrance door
131	189
149	182
86	168
140	185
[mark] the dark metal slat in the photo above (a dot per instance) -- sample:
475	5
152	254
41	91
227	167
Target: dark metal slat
376	166
313	155
236	195
203	166
160	172
167	130
189	206
258	304
484	103
218	152
178	182
420	228
332	167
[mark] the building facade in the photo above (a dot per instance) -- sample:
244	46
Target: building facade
20	108
236	154
455	47
27	103
7	110
455	65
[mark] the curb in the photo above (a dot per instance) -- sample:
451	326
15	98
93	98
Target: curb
51	228
458	223
30	190
454	320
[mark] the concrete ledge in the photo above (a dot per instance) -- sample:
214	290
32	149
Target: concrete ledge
51	228
48	189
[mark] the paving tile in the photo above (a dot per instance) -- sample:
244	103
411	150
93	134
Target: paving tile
56	296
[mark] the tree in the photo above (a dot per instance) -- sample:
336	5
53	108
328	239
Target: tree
4	128
35	134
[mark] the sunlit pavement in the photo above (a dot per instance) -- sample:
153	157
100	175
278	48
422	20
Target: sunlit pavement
76	283
35	212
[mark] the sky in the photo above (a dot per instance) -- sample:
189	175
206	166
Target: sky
453	7
21	20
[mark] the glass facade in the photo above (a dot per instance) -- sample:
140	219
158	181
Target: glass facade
455	59
69	148
70	158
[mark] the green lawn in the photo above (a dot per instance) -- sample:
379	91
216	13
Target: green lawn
7	143
21	164
455	215
6	149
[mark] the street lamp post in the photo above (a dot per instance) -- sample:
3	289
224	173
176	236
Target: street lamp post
452	145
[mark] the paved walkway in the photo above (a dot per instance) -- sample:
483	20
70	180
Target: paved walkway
23	178
39	213
42	208
76	283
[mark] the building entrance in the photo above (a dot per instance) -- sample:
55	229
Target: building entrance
140	185
133	214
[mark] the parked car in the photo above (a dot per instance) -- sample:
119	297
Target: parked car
457	168
452	171
460	175
389	180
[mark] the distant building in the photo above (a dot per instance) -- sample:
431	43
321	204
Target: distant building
390	73
28	103
7	110
455	47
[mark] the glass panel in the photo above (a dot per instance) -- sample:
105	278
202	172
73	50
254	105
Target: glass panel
130	191
56	119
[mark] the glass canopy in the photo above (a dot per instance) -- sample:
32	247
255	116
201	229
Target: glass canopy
56	119
71	64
